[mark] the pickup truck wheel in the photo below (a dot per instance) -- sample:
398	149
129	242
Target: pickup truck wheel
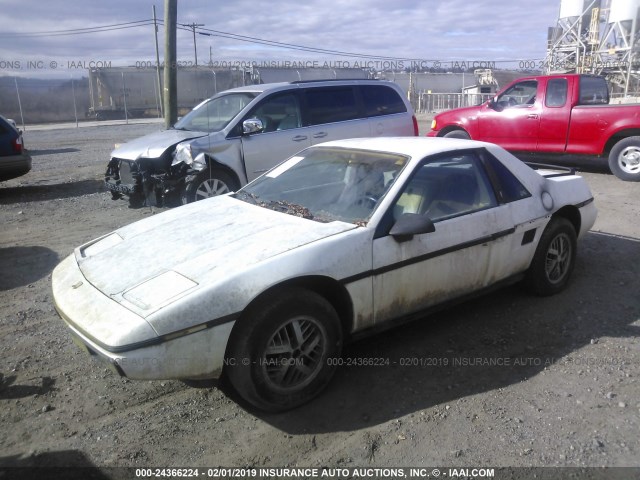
554	259
280	351
624	159
457	134
209	184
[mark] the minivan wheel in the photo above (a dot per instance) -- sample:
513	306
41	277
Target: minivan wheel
280	352
208	184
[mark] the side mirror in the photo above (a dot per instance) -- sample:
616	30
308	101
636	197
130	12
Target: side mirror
493	104
252	125
410	224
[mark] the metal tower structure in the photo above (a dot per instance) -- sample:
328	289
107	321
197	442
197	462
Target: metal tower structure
572	41
618	54
600	37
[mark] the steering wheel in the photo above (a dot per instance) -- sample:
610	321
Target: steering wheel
367	201
512	102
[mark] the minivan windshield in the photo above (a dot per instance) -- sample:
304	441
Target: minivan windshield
214	114
327	184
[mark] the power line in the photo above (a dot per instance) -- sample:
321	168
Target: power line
79	31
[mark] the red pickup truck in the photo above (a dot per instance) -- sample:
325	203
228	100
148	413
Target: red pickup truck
556	114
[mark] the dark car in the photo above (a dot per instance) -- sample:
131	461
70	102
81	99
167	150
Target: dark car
14	159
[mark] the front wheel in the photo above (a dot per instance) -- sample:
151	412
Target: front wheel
281	351
208	184
457	134
624	159
554	259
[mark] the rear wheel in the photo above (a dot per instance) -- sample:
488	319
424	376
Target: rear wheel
554	259
624	159
457	134
280	352
208	184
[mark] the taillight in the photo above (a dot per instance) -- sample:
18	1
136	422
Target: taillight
17	144
415	126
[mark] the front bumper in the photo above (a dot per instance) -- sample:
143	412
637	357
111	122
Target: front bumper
123	177
127	342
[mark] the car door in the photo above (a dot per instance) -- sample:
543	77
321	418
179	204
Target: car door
333	113
513	120
281	137
455	192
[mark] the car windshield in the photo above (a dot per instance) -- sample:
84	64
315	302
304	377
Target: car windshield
326	184
214	114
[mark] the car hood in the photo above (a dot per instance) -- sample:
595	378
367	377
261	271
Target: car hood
204	242
154	144
463	112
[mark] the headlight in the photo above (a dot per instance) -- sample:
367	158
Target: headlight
159	290
181	154
433	124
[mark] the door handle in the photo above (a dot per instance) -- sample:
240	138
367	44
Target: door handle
299	138
320	135
532	115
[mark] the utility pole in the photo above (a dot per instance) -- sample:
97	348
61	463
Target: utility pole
170	63
193	26
155	29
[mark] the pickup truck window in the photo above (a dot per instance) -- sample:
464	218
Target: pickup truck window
593	91
556	95
519	94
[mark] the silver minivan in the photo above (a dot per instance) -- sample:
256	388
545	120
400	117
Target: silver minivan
236	135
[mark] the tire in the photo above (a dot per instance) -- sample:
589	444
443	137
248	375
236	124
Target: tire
136	200
624	159
279	352
457	134
554	259
208	184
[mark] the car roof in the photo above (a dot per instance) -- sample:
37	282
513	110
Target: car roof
414	147
263	87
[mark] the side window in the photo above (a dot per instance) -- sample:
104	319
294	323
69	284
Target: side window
331	104
508	187
447	187
278	112
593	91
381	100
556	95
521	94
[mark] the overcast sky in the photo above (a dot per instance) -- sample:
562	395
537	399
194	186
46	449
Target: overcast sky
425	31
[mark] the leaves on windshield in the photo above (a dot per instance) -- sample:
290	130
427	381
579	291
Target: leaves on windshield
277	205
287	207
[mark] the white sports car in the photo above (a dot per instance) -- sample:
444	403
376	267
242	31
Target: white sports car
344	238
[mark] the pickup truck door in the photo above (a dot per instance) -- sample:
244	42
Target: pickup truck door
556	114
513	119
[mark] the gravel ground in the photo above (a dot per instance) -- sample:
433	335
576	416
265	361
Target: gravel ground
505	380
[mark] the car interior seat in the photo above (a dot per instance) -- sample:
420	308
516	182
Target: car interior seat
291	118
458	194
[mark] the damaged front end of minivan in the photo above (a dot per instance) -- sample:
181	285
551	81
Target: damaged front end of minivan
152	180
